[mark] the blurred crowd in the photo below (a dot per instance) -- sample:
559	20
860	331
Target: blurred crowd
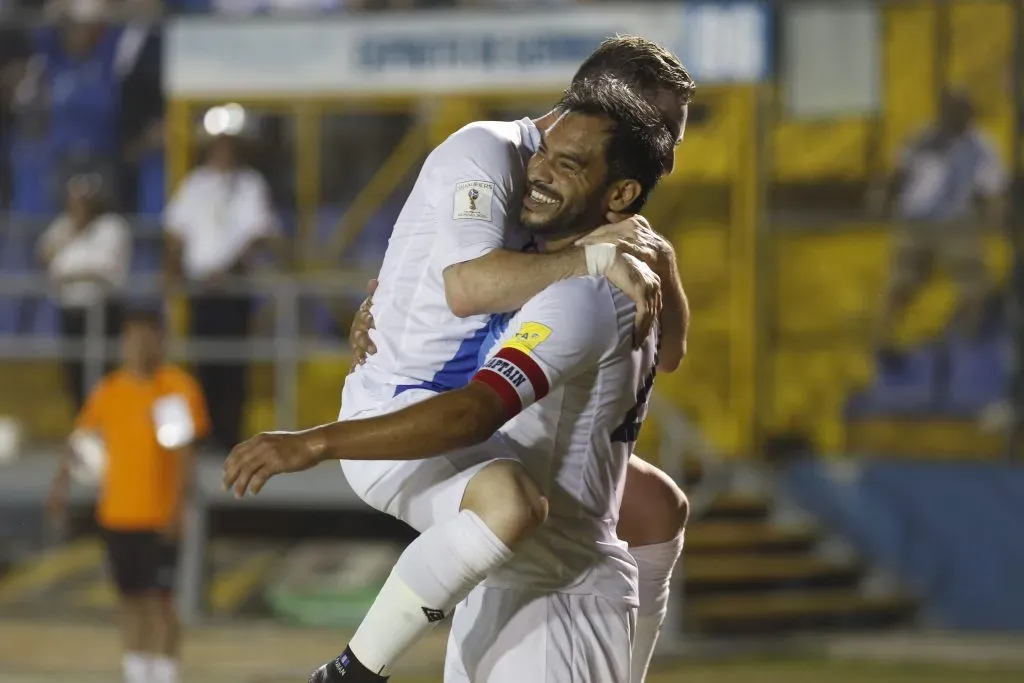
80	90
82	146
81	94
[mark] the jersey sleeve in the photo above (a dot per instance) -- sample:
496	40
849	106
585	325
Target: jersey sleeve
473	178
563	331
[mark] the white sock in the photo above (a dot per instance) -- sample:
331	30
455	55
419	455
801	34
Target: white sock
655	564
433	575
135	667
164	669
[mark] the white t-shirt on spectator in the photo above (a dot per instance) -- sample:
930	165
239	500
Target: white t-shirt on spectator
943	181
217	215
90	264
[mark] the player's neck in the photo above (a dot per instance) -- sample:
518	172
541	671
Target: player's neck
143	371
562	242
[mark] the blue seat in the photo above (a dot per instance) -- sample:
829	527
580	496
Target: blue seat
979	371
910	390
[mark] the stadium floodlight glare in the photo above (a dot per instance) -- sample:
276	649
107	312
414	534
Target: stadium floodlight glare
173	418
228	119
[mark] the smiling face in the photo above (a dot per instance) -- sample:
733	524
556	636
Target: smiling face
568	185
566	177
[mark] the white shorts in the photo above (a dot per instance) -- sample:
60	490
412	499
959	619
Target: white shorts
421	493
502	635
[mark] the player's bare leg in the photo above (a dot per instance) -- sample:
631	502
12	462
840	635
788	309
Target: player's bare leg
166	630
135	633
652	520
500	508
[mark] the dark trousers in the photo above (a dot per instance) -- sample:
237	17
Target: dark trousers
72	328
218	318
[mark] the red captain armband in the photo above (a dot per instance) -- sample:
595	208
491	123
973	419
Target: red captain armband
516	377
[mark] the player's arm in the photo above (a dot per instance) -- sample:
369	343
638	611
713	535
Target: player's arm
633	235
473	176
674	321
447	422
562	331
502	280
89	419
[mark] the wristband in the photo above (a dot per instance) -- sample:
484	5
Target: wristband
599	258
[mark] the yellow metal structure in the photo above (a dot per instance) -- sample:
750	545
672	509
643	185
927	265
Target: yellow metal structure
780	314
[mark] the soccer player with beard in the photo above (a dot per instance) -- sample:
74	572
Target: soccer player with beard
564	607
454	256
480	276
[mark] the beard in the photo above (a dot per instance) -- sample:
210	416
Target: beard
581	215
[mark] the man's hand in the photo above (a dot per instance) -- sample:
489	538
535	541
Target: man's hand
632	235
253	462
359	333
643	286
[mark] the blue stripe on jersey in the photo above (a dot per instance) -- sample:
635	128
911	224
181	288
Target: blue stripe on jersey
496	328
468	358
456	372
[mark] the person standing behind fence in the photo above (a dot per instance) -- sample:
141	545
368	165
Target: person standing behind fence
947	188
87	254
148	415
215	221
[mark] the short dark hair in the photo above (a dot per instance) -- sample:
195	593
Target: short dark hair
642	64
638	141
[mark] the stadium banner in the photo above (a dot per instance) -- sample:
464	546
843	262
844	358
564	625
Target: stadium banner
432	52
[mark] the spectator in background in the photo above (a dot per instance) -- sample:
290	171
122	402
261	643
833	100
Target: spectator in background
87	252
32	195
214	224
75	68
151	165
141	112
148	415
947	188
15	50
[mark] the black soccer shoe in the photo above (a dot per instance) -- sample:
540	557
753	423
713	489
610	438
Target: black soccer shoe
345	668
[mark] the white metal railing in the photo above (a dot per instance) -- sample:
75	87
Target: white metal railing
285	346
680	438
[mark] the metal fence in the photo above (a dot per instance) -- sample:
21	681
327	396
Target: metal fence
299	317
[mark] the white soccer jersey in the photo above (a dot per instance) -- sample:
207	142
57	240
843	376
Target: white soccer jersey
565	365
463	205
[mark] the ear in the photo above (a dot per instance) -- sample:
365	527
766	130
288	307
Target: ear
622	194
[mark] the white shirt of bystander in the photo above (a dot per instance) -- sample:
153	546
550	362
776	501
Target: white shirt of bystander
217	216
87	265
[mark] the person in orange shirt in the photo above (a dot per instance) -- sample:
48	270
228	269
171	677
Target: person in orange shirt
148	414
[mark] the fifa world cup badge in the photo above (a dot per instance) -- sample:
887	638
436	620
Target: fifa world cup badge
473	200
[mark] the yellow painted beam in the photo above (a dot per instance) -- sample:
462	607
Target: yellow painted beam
401	160
49	569
99	594
230	588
